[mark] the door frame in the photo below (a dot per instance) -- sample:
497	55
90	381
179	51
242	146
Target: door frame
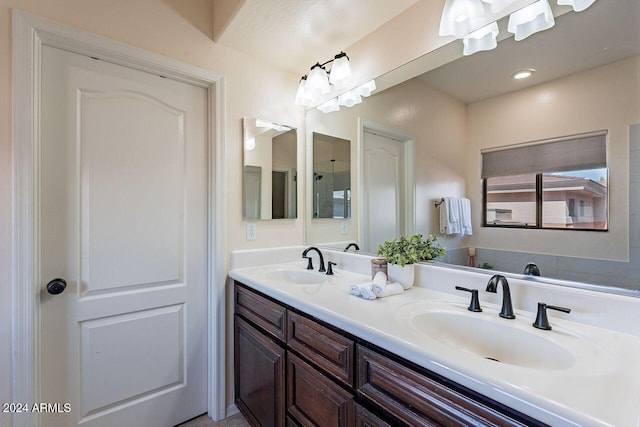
29	34
409	176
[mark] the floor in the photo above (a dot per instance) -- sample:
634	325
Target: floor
236	420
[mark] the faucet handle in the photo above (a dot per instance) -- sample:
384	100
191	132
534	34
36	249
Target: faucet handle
309	263
329	268
474	305
542	322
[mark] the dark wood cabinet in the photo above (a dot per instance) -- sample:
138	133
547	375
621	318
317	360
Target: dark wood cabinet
417	399
266	314
315	400
330	350
259	376
365	418
334	379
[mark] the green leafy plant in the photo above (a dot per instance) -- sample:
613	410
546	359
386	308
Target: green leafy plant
486	266
411	249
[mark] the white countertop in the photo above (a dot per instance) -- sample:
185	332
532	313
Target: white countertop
602	387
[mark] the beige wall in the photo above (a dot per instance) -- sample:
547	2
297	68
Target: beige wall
181	30
438	124
603	98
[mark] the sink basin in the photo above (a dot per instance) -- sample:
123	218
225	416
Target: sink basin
298	277
496	340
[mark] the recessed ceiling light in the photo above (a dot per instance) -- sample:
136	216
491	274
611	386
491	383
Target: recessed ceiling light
523	74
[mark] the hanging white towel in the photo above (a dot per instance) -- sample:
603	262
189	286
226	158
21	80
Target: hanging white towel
465	216
450	214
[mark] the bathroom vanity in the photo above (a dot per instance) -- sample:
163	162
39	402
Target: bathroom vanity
308	353
289	365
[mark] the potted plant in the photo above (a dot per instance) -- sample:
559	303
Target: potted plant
403	252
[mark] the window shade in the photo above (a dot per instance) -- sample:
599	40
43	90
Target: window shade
578	152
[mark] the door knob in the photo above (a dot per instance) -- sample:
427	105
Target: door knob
56	286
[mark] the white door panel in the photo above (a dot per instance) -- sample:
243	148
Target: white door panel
384	192
124	222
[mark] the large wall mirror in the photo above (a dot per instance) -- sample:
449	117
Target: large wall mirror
331	177
269	170
585	80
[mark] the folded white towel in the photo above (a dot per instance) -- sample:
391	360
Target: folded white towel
380	278
354	290
387	290
366	291
450	214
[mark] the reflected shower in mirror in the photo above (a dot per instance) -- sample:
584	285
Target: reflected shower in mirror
269	178
331	177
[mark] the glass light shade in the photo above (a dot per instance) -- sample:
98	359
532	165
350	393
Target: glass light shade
498	5
317	82
340	74
577	5
483	39
365	89
531	19
329	106
349	99
302	97
459	17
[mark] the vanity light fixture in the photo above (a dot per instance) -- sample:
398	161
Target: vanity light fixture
498	6
486	38
531	19
348	99
461	18
329	106
523	74
319	80
577	5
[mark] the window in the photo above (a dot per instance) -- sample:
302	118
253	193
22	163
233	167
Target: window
554	184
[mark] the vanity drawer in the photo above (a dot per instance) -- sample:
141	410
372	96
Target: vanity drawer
417	399
315	400
266	314
329	350
364	418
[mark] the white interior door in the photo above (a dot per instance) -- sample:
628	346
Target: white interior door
384	190
124	222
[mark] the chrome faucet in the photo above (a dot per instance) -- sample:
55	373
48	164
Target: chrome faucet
352	245
313	248
507	308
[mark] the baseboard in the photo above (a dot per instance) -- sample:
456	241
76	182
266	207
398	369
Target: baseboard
232	410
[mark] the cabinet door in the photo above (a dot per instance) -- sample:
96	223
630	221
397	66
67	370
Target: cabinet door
315	400
259	376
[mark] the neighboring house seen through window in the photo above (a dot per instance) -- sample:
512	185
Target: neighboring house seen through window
553	184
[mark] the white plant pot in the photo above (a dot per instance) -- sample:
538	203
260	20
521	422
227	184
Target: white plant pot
403	275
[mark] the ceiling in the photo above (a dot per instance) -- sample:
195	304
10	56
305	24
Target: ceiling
606	32
295	34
